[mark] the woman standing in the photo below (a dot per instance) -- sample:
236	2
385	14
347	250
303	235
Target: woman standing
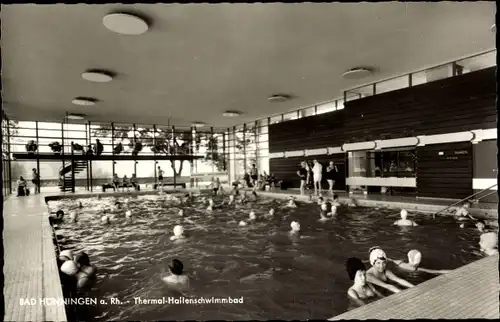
36	180
303	174
331	175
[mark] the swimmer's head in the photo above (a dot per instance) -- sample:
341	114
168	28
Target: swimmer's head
127	200
181	212
480	225
404	214
69	268
320	200
242	223
488	241
378	258
178	231
105	219
334	210
356	270
66	255
324	207
80	205
176	267
128	214
60	213
414	257
272	211
231	197
466	204
252	215
335	197
295	226
82	259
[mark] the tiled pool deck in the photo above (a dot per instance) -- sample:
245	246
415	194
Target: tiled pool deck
30	269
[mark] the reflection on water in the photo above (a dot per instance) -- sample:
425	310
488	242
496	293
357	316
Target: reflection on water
278	276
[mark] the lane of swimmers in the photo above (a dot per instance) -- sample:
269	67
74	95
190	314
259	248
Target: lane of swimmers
382	278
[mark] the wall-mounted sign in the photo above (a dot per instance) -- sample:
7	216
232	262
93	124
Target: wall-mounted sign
462	152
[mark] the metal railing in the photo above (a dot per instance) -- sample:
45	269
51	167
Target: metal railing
468	197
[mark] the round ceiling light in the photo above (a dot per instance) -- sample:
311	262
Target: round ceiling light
279	98
198	124
231	113
356	73
75	116
125	24
97	76
84	101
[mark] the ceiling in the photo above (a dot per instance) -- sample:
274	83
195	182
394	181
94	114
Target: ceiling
199	60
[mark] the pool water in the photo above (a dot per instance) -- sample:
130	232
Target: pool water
279	277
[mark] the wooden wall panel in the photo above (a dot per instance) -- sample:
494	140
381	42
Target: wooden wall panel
448	175
455	104
286	169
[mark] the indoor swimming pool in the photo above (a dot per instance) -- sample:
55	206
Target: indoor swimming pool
278	276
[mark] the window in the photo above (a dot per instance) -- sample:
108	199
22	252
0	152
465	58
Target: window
325	108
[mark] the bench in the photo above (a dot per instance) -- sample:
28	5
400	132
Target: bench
110	186
183	185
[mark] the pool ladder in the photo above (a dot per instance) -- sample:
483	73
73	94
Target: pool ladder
468	197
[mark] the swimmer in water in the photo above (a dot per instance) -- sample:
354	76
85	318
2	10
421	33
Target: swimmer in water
489	243
462	213
181	213
57	218
481	226
231	200
86	274
128	214
291	203
295	228
414	259
252	216
361	290
324	214
73	217
404	221
352	202
105	220
176	280
379	275
80	205
66	255
336	201
178	233
270	214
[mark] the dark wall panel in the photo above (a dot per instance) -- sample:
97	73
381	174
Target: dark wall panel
455	104
286	169
445	170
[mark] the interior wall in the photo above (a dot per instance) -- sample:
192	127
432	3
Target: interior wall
445	170
485	171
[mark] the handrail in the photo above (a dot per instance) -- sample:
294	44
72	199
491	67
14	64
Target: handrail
456	203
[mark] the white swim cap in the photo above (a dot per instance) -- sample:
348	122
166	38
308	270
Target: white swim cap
178	230
324	206
272	211
404	213
181	212
295	225
252	215
105	219
242	223
66	253
69	268
128	214
414	257
489	240
127	200
376	254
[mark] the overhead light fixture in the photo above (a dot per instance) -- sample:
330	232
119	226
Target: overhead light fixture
356	73
125	23
97	76
84	101
75	116
198	124
279	97
231	113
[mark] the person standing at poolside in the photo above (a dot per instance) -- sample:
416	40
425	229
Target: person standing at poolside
317	176
160	178
254	175
303	173
331	175
36	180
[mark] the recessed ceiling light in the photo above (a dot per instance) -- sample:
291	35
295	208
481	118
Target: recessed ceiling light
356	73
84	101
231	113
125	24
279	97
198	124
97	76
76	116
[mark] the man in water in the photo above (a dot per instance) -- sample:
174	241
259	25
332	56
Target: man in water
176	280
379	275
361	290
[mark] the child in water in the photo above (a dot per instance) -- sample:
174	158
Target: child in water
360	291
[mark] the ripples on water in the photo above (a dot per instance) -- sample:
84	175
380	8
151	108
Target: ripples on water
279	277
